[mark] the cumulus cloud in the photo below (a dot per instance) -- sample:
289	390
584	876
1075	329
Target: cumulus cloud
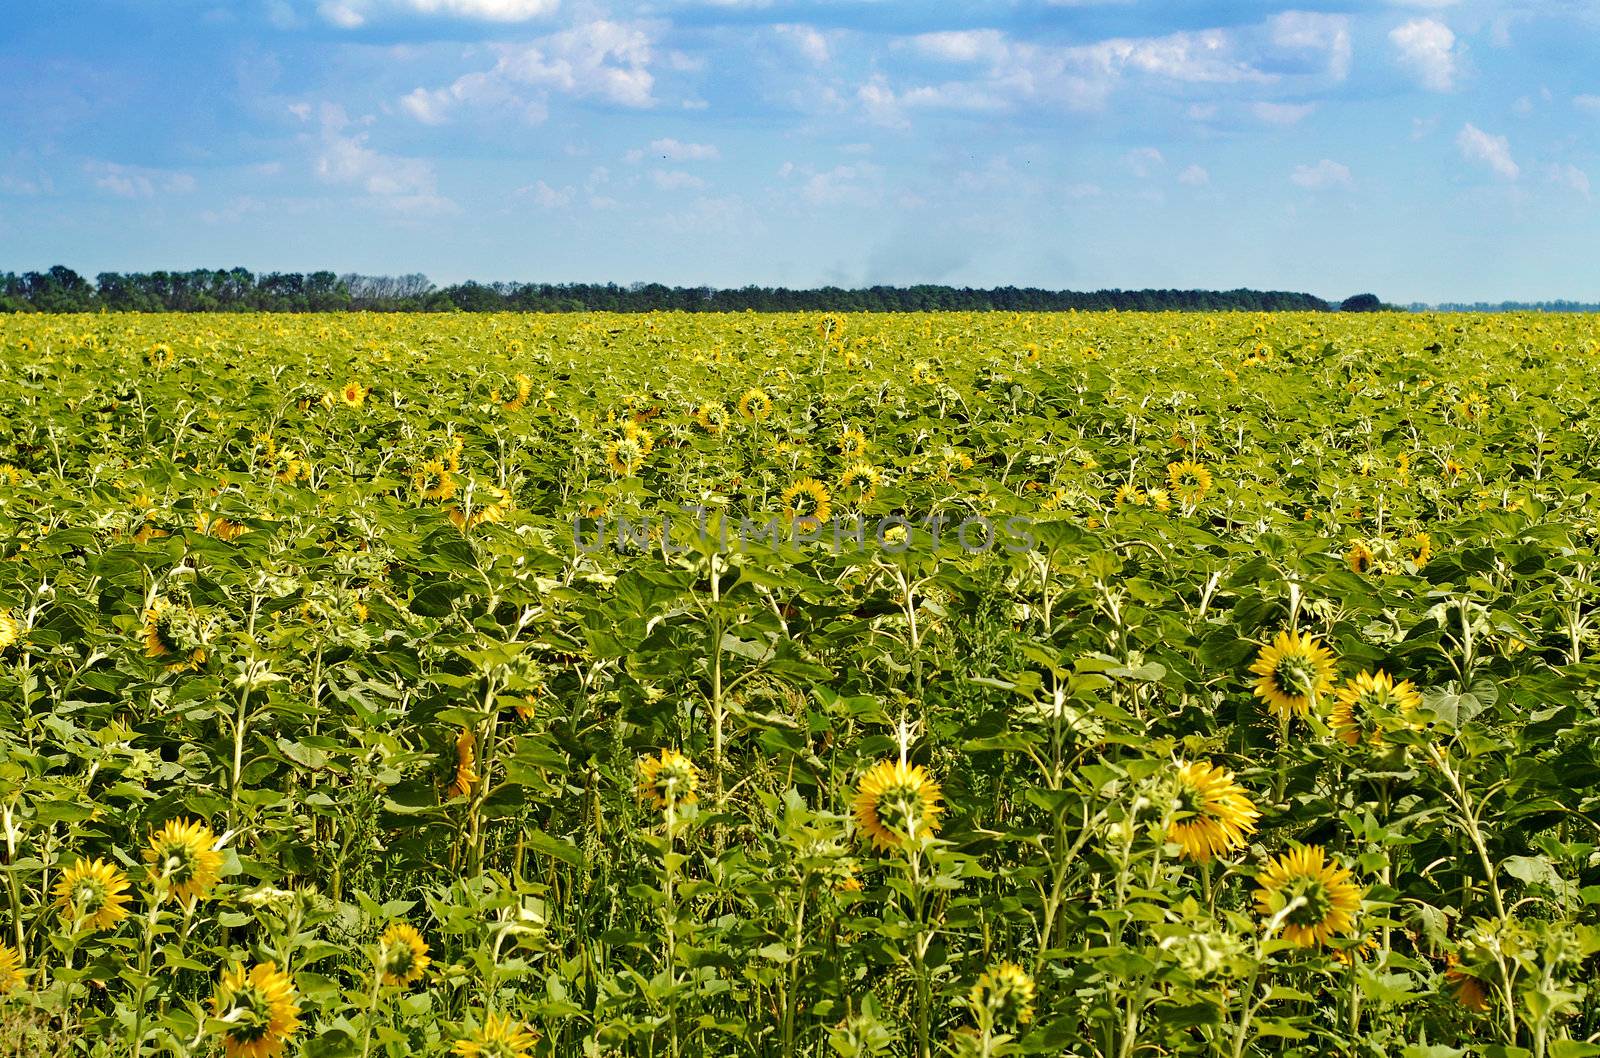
1590	103
135	181
674	151
548	197
1494	151
1194	176
1321	36
608	61
1144	161
343	158
1427	48
1325	175
352	14
676	180
811	42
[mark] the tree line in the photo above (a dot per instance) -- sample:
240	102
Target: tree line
60	289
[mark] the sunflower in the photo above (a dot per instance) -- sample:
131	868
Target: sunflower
807	503
493	506
184	860
402	956
1292	671
434	480
1467	989
711	416
1363	700
859	484
10	475
524	386
852	443
1003	995
1160	499
10	631
353	394
755	405
1129	494
1188	481
1418	547
497	1037
173	632
92	894
1358	556
261	1009
1214	813
159	355
893	800
668	779
207	524
11	976
626	454
466	776
1315	897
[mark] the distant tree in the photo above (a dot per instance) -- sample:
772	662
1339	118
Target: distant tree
1361	303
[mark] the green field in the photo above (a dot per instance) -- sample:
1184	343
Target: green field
665	685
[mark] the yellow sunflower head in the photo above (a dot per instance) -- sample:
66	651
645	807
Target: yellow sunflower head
1130	495
859	484
895	800
498	1037
852	443
1160	499
1214	815
466	777
174	633
807	504
261	1010
10	631
1467	989
402	956
1418	548
1358	556
755	405
1002	996
711	416
1366	700
353	394
434	480
1292	671
668	780
12	976
1312	898
1188	481
183	859
92	894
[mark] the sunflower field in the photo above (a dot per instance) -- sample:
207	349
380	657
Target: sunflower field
504	686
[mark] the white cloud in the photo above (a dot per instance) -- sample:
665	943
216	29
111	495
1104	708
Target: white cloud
809	41
392	181
546	196
968	45
1428	48
1144	161
1282	113
676	180
1323	176
136	181
843	185
352	14
1317	34
1494	151
1590	103
1194	176
609	61
674	151
1570	177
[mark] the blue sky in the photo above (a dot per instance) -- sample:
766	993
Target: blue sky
1424	150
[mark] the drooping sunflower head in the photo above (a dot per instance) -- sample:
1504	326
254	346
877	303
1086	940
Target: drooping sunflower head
894	800
852	443
434	480
1313	898
402	956
859	484
184	860
1189	481
1160	499
466	776
498	1037
353	394
11	971
1002	996
807	504
1293	670
1214	814
626	454
712	417
1467	989
261	1009
175	633
1358	556
10	631
1366	700
668	780
92	894
1130	495
755	405
159	355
